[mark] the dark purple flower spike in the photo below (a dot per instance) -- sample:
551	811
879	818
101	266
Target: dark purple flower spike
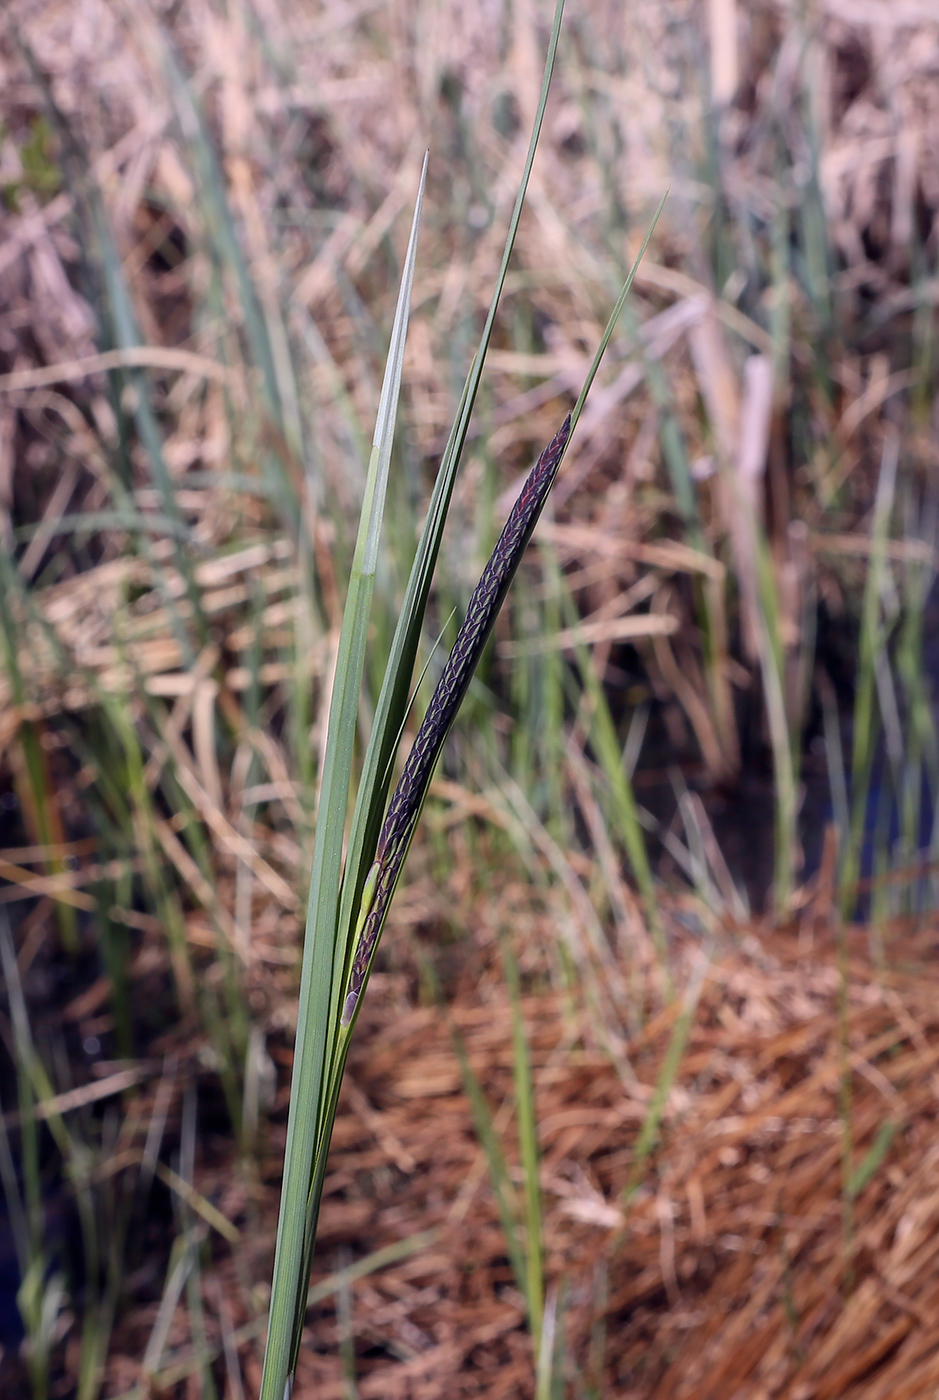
405	806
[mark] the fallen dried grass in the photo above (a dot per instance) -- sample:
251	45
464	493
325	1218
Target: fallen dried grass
730	1273
742	1267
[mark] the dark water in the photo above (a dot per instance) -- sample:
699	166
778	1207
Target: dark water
741	812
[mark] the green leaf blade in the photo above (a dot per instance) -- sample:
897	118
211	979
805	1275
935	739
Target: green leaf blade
317	1022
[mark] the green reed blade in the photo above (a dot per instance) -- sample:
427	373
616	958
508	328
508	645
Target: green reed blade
316	1023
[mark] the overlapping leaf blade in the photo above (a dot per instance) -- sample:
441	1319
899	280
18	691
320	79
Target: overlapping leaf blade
309	1111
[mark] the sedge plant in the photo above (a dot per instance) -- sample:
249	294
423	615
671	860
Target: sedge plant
349	898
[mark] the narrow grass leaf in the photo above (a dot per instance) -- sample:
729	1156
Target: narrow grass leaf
865	718
498	1171
313	1052
528	1148
782	738
648	1133
872	1159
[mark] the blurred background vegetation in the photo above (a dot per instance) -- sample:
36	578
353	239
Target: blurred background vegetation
728	617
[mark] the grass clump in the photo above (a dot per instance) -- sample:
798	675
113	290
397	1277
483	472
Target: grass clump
339	948
720	644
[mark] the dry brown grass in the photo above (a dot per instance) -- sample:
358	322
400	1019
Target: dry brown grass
733	1272
738	1270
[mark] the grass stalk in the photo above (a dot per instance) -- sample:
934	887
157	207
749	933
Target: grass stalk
603	736
649	1132
528	1143
347	911
311	1107
871	640
499	1178
782	738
